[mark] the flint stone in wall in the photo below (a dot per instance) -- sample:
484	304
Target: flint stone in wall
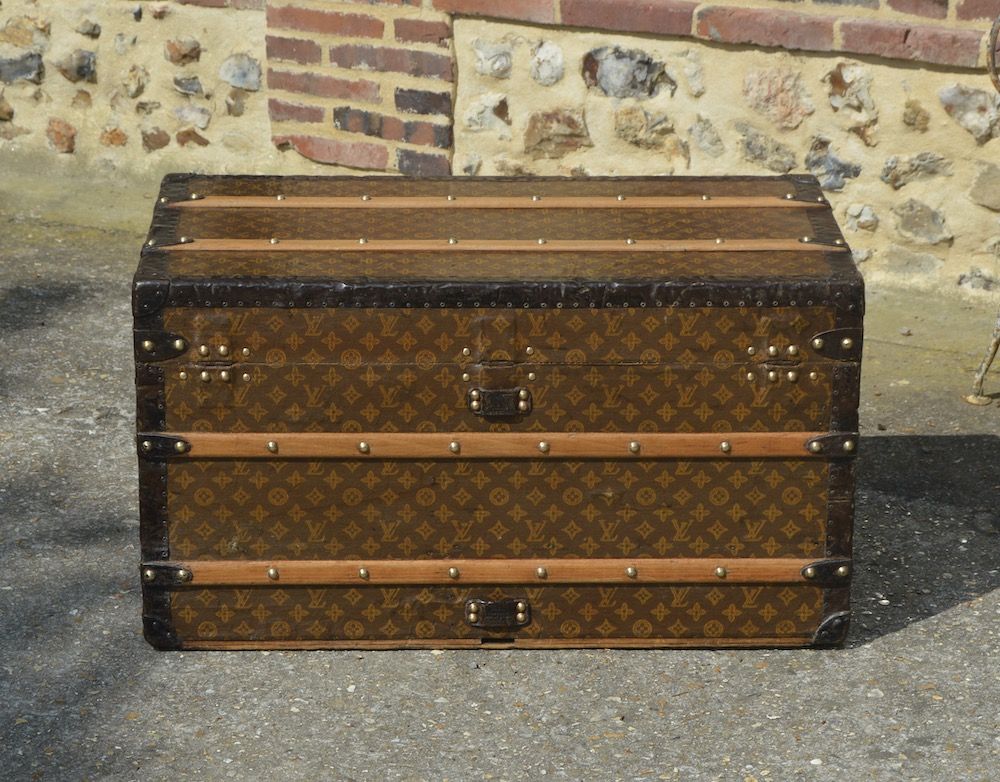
693	74
114	137
6	110
916	116
758	147
978	280
24	67
89	28
908	263
82	100
900	170
547	64
135	81
552	134
470	164
827	167
80	65
861	217
26	32
850	93
154	139
978	111
493	58
241	71
778	94
193	115
236	103
706	137
642	129
919	223
188	85
489	112
985	189
61	136
625	74
182	51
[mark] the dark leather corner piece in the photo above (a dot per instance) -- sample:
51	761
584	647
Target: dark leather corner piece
833	630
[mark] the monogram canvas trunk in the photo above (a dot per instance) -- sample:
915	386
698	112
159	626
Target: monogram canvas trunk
387	412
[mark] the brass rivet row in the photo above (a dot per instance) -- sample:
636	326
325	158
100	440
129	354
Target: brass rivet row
272	446
847	343
751	377
532	376
816	446
453	573
631	572
455	446
185	240
451	198
793	376
224	376
720	240
181	447
530	351
272	573
772	376
184	575
793	350
721	572
452	240
475	395
541	241
536	198
204	350
146	446
363	574
280	197
148	345
466	377
849	446
619	197
725	446
809	572
179	345
818	343
466	351
544	447
814	375
223	350
521	617
751	351
366	198
541	572
635	446
246	377
806	239
772	351
364	447
630	241
789	196
362	240
149	574
843	571
706	197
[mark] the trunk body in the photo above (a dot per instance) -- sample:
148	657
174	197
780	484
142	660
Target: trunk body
383	413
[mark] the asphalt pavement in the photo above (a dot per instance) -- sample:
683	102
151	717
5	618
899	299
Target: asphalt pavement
913	696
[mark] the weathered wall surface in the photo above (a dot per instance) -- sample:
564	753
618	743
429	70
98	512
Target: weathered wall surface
907	154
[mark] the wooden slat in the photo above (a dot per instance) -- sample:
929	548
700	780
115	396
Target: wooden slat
494	571
279	245
488	445
497	202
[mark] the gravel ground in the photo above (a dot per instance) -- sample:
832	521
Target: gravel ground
913	696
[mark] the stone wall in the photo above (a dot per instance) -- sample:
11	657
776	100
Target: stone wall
907	155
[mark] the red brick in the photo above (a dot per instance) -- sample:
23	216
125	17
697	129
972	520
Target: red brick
423	101
323	86
765	27
352	154
661	17
422	164
283	111
294	49
938	9
353	25
378	58
905	42
979	9
526	10
419	31
372	123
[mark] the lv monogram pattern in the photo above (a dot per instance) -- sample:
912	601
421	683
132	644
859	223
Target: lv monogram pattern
508	509
558	612
662	370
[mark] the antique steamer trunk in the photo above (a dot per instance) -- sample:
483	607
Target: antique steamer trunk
382	412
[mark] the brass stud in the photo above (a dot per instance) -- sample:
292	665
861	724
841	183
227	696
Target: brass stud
272	446
772	351
849	446
475	395
541	241
522	406
149	574
475	406
815	447
164	199
820	200
473	615
521	618
523	394
536	198
544	447
184	575
274	240
725	446
843	571
194	196
521	607
224	376
279	198
466	351
720	240
180	446
532	376
466	377
204	350
151	243
272	573
179	344
751	351
362	240
185	240
789	196
366	197
205	377
630	240
148	345
817	343
793	350
847	343
541	572
246	377
619	197
452	240
806	239
751	377
838	242
245	352
453	572
721	572
146	446
706	197
793	376
451	198
634	447
363	574
631	572
772	376
530	351
809	572
364	447
455	446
